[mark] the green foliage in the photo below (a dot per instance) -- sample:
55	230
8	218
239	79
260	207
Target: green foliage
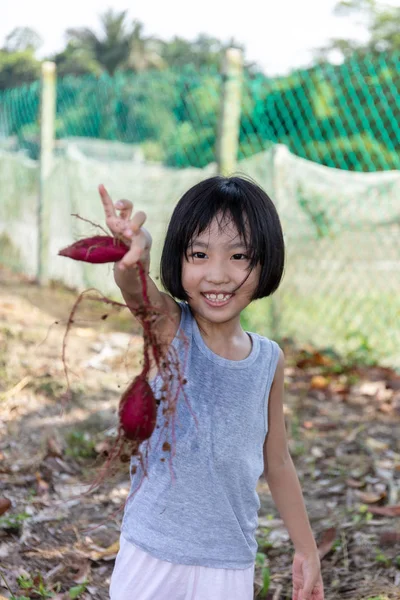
381	21
35	585
382	559
17	68
265	573
80	445
344	116
13	522
77	590
76	60
361	351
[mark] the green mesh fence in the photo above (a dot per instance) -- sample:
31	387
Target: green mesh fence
342	282
345	116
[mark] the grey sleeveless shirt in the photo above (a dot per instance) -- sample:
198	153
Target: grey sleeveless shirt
206	514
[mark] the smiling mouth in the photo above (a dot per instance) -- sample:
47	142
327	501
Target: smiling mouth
217	299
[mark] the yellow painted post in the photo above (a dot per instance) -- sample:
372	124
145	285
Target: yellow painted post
47	135
229	122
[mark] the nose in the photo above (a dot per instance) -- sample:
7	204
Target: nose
217	273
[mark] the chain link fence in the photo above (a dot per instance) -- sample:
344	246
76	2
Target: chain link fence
323	142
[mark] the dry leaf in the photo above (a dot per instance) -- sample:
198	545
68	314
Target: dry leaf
103	447
327	541
54	448
385	511
354	483
376	445
42	487
106	554
389	538
326	426
83	573
386	408
313	359
370	497
371	388
5	504
318	382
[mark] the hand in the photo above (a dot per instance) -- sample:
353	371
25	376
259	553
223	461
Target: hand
307	580
130	231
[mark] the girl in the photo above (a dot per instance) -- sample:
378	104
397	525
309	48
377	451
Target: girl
193	537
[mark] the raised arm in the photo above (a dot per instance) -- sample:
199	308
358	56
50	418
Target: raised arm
126	273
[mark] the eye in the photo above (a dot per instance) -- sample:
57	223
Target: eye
196	255
244	256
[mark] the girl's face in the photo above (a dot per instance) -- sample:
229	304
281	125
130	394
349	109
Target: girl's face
217	264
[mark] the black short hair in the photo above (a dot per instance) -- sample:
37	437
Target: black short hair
250	209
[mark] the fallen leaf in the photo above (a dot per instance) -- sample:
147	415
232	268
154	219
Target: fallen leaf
371	388
318	382
311	358
5	504
325	426
386	408
385	511
370	497
376	445
103	447
54	448
42	487
394	383
389	538
327	541
354	483
83	573
106	554
340	388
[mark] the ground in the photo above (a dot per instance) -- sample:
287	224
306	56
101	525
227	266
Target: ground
343	423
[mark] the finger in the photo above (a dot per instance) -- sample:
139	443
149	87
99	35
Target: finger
138	220
108	205
125	208
306	594
133	255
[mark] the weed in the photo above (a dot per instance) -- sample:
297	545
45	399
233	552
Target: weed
12	523
80	445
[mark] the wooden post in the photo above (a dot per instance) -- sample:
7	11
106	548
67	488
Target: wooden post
229	122
47	135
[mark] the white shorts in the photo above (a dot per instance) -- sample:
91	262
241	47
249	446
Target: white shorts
139	576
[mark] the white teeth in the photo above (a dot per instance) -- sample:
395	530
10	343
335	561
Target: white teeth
218	297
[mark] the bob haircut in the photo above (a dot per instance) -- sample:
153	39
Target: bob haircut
248	207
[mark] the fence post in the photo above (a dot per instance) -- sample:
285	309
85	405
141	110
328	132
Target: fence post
47	135
229	120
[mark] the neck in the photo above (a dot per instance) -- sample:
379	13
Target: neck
223	332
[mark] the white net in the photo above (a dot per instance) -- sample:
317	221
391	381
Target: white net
342	281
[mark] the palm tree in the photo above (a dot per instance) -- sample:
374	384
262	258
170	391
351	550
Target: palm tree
144	52
120	45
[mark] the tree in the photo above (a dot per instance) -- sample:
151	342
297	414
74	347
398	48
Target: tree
203	52
21	39
18	64
120	45
76	60
144	52
381	21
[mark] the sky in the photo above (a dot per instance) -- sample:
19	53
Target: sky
279	35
